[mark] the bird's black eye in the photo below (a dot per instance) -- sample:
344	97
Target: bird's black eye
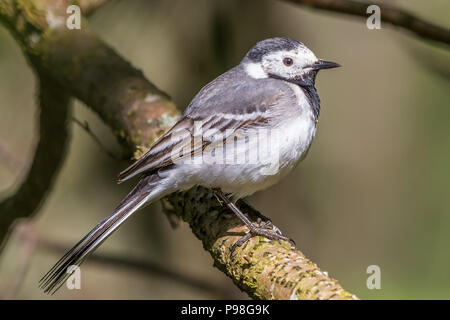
288	62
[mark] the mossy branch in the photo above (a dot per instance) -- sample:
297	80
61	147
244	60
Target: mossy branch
137	112
264	269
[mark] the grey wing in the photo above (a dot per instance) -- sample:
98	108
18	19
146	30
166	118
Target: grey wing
220	106
234	92
161	152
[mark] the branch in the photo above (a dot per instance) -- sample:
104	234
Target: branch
263	269
389	14
138	113
54	108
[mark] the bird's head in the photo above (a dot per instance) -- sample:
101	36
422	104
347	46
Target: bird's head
284	59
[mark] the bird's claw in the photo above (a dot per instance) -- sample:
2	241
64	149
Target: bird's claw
263	229
268	224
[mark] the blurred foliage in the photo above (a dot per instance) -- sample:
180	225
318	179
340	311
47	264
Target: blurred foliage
374	188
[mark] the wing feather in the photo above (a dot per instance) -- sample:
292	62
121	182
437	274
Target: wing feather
177	145
242	103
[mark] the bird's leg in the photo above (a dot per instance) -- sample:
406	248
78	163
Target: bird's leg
260	230
262	220
218	199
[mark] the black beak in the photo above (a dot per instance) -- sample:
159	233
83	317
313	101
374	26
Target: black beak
322	64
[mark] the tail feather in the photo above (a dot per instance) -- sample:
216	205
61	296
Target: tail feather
139	196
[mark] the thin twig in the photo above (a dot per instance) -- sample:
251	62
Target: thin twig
85	126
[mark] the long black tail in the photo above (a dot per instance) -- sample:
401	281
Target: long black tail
143	193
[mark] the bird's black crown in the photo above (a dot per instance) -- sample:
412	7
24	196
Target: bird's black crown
271	45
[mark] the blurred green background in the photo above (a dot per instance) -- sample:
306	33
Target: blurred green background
374	189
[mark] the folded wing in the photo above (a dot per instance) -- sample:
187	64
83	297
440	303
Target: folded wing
238	106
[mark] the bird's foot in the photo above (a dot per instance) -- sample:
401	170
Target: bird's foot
266	229
264	226
266	223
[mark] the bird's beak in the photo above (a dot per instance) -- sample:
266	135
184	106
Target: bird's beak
322	64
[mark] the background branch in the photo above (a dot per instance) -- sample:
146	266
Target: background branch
30	241
139	265
54	110
138	112
389	14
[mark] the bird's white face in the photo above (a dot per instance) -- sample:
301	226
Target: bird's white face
289	64
297	65
292	65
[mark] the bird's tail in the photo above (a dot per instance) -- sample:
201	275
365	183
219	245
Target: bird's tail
143	193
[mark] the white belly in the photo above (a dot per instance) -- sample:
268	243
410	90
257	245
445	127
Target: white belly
295	138
240	174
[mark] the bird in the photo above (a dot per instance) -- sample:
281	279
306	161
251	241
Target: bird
267	102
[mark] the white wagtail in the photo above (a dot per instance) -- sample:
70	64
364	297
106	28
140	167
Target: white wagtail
271	90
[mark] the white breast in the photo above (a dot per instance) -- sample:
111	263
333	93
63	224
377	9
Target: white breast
297	131
294	136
